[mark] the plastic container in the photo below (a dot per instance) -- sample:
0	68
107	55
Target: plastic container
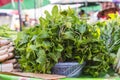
69	69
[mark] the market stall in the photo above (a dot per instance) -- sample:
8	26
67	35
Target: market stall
66	47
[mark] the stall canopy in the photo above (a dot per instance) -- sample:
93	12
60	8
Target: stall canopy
25	4
4	2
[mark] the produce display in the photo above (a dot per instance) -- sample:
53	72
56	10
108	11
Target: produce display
63	37
8	63
110	34
6	32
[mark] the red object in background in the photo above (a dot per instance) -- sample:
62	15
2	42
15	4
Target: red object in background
104	13
4	2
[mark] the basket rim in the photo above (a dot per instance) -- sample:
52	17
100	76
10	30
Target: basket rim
67	63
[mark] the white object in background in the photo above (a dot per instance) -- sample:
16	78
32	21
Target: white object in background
93	18
15	23
6	67
117	62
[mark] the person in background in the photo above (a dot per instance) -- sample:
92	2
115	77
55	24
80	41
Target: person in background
26	22
82	13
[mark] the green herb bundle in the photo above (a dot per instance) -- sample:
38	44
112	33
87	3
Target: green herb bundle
62	36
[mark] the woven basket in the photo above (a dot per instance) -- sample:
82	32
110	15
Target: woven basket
69	69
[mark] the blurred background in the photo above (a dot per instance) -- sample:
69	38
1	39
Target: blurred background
17	13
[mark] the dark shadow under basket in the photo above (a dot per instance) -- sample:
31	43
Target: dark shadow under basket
69	69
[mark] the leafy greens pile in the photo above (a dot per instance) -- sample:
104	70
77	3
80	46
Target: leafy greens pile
62	36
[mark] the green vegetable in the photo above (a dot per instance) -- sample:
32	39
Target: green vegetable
6	32
110	33
62	36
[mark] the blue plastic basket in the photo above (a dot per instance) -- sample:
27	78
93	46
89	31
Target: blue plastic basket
69	69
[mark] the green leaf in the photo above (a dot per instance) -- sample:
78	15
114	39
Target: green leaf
68	35
70	11
41	57
68	24
82	29
63	13
53	56
55	11
34	38
48	16
94	67
90	56
59	48
69	52
96	59
82	60
27	55
58	54
43	22
43	34
46	45
33	47
78	59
